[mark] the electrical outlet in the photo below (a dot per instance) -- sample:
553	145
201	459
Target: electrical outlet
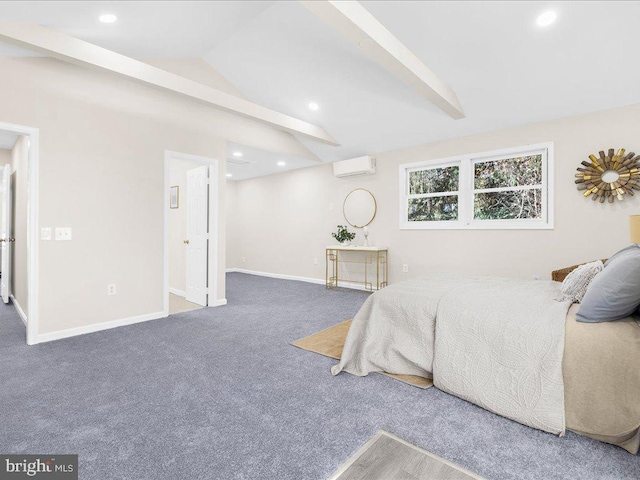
63	233
315	260
45	233
111	289
243	260
331	206
405	268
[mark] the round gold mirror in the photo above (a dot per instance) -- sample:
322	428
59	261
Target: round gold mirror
611	176
359	208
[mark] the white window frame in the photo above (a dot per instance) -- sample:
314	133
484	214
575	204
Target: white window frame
466	190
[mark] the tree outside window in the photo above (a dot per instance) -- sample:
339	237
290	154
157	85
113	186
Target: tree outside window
508	189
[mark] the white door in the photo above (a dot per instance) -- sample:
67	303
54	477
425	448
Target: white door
5	234
197	234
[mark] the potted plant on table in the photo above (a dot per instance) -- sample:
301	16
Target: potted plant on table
343	235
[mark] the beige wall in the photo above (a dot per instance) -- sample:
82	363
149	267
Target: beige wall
178	224
5	156
5	159
284	221
19	174
102	143
233	224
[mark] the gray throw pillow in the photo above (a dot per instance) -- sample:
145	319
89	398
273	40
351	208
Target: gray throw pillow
624	251
614	293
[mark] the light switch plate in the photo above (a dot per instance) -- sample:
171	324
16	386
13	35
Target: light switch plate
45	233
63	233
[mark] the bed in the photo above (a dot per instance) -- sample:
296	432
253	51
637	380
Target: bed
508	346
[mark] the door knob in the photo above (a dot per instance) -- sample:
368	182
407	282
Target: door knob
12	239
186	242
2	240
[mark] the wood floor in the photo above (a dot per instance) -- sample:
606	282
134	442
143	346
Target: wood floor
387	457
178	304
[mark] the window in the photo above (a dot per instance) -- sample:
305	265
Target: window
504	189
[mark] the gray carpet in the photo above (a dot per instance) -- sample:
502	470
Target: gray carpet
220	393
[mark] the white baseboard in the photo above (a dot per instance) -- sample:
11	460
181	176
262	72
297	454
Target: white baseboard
175	291
18	309
96	327
318	281
213	303
217	303
281	276
354	286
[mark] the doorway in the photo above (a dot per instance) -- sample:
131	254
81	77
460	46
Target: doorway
7	228
191	227
19	224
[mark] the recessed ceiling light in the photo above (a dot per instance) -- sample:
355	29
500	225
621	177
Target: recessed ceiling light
108	18
282	163
237	154
229	175
314	106
547	18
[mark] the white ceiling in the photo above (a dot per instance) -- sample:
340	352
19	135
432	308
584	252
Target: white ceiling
255	162
144	29
7	139
505	70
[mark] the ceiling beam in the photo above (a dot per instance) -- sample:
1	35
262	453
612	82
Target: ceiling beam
70	49
353	21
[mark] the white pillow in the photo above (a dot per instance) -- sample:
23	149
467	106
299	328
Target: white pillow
575	284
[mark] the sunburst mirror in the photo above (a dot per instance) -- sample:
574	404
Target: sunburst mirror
610	176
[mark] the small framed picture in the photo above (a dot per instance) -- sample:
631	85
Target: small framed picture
174	196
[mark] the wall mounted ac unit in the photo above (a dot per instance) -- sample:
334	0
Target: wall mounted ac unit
355	166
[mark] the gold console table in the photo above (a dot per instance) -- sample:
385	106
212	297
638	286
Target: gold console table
373	258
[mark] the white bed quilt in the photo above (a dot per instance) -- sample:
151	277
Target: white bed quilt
495	342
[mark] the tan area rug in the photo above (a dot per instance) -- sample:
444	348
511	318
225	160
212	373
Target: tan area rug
330	342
